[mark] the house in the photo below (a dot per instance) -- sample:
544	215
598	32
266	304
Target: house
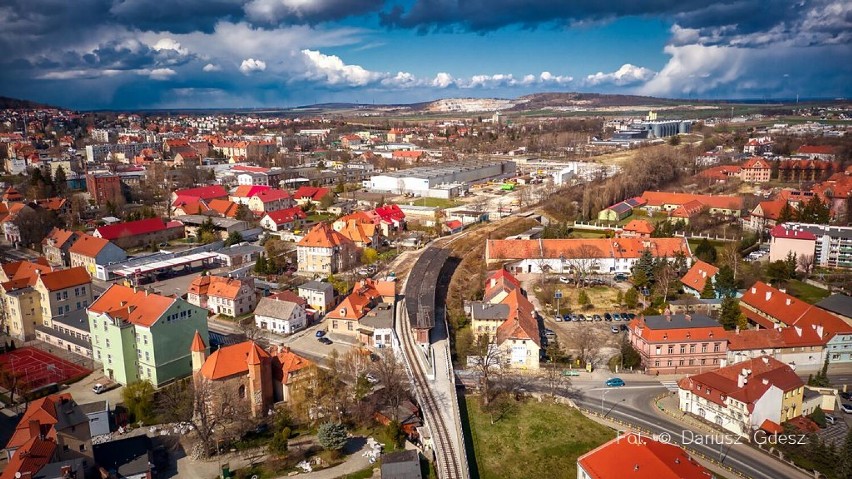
401	464
604	255
238	373
239	254
130	457
269	201
104	188
722	173
363	233
637	229
756	170
283	220
761	393
324	250
453	226
758	146
192	207
796	346
765	215
656	201
638	455
138	335
620	210
56	244
98	414
288	370
225	208
507	317
686	211
52	439
21	303
319	295
311	195
280	316
678	343
785	239
150	231
95	254
817	152
391	218
375	329
222	227
345	317
220	295
206	193
696	278
798	170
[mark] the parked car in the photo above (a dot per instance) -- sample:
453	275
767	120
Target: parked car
324	340
574	317
829	419
616	317
624	327
98	388
846	395
846	407
570	372
620	277
607	317
614	382
320	333
614	329
557	318
581	317
631	315
597	317
564	280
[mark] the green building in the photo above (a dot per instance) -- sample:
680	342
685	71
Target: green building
138	335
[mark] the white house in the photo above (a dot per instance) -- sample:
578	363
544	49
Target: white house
318	294
280	316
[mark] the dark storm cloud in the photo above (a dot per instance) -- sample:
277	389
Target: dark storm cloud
316	11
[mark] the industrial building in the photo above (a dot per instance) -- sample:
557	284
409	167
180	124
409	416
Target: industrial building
443	181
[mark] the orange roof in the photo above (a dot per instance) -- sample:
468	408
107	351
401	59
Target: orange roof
66	278
770	209
756	162
358	232
197	343
688	209
521	322
660	198
774	303
26	269
285	363
358	303
88	245
816	149
230	360
217	286
136	306
669	335
58	236
763	373
323	236
634	455
247	191
225	208
583	247
639	226
30	458
696	277
42	410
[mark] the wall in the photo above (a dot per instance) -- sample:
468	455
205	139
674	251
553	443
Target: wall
171	340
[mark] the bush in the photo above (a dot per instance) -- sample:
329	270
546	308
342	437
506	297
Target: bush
332	436
394	435
818	417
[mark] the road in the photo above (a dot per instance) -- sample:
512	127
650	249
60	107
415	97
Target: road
633	404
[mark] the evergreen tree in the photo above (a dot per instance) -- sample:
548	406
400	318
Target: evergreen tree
730	316
844	463
60	182
234	237
786	214
631	298
725	283
260	265
790	264
708	292
814	211
332	436
583	298
706	252
646	265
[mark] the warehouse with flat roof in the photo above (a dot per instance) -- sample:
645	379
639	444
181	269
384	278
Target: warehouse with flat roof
440	181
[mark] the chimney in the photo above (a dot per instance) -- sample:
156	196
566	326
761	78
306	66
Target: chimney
798	330
766	360
687	317
741	379
819	330
765	381
777	326
636	468
789	300
737	330
753	290
703	274
768	295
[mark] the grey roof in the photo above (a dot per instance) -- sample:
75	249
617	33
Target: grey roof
90	407
275	308
315	285
679	321
68	414
74	319
487	311
127	457
843	232
54	469
810	393
240	249
838	304
63	336
401	465
379	318
218	222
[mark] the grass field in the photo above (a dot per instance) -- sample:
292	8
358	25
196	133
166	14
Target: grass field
434	202
540	440
806	292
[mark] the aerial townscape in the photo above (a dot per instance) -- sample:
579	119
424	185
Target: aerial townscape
263	239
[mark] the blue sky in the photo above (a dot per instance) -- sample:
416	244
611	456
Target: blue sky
128	54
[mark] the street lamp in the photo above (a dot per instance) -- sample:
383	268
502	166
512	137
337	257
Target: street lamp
613	407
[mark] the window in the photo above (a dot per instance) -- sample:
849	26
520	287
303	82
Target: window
83	290
682	349
107	342
82	447
65	295
241	391
691	348
147	356
657	363
704	348
76	291
715	347
671	349
349	326
59	296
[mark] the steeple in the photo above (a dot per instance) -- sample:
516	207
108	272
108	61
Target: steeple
198	351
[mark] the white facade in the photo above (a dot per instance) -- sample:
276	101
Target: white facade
296	321
734	416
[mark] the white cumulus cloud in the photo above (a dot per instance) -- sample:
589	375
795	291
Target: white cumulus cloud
547	77
626	75
161	73
332	70
443	80
250	65
210	67
169	44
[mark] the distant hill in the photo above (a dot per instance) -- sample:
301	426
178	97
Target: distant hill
16	104
538	101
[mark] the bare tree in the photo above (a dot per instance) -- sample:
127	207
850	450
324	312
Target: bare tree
582	260
664	276
585	343
730	256
806	263
250	330
390	373
486	359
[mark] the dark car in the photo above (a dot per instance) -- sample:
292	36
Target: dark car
320	333
607	317
581	317
624	327
616	317
631	315
597	317
324	340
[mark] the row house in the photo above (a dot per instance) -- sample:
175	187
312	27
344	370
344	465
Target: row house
220	295
797	346
150	231
348	318
796	170
762	393
817	152
323	250
56	246
604	255
678	343
656	201
138	335
288	219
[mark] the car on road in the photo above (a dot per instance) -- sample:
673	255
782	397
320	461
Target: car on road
614	329
570	372
324	340
320	333
614	382
846	407
846	395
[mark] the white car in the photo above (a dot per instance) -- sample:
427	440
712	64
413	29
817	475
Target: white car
98	388
564	280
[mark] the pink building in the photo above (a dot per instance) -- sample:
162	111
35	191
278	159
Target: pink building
678	343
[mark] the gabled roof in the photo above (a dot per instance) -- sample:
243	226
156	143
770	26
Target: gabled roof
204	192
58	237
247	191
285	363
816	149
230	360
88	245
136	306
660	198
697	276
225	208
63	279
639	226
26	269
390	213
761	374
781	231
521	323
311	192
584	247
287	215
774	303
276	308
358	232
323	236
131	228
270	195
358	303
636	455
756	162
216	286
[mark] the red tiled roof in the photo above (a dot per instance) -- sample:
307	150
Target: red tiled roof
634	455
454	224
285	363
230	360
358	303
289	296
287	215
247	191
204	192
756	162
696	277
58	236
390	213
197	343
323	236
776	304
660	198
816	149
267	196
676	334
521	322
30	458
639	226
137	307
591	248
225	208
311	192
781	231
67	278
217	286
88	245
131	228
764	372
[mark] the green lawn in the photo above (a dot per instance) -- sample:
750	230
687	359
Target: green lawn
534	439
806	292
434	202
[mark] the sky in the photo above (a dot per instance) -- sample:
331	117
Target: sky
153	54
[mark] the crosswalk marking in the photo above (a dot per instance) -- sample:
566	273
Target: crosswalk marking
670	385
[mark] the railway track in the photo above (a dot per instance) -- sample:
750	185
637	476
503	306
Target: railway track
420	299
